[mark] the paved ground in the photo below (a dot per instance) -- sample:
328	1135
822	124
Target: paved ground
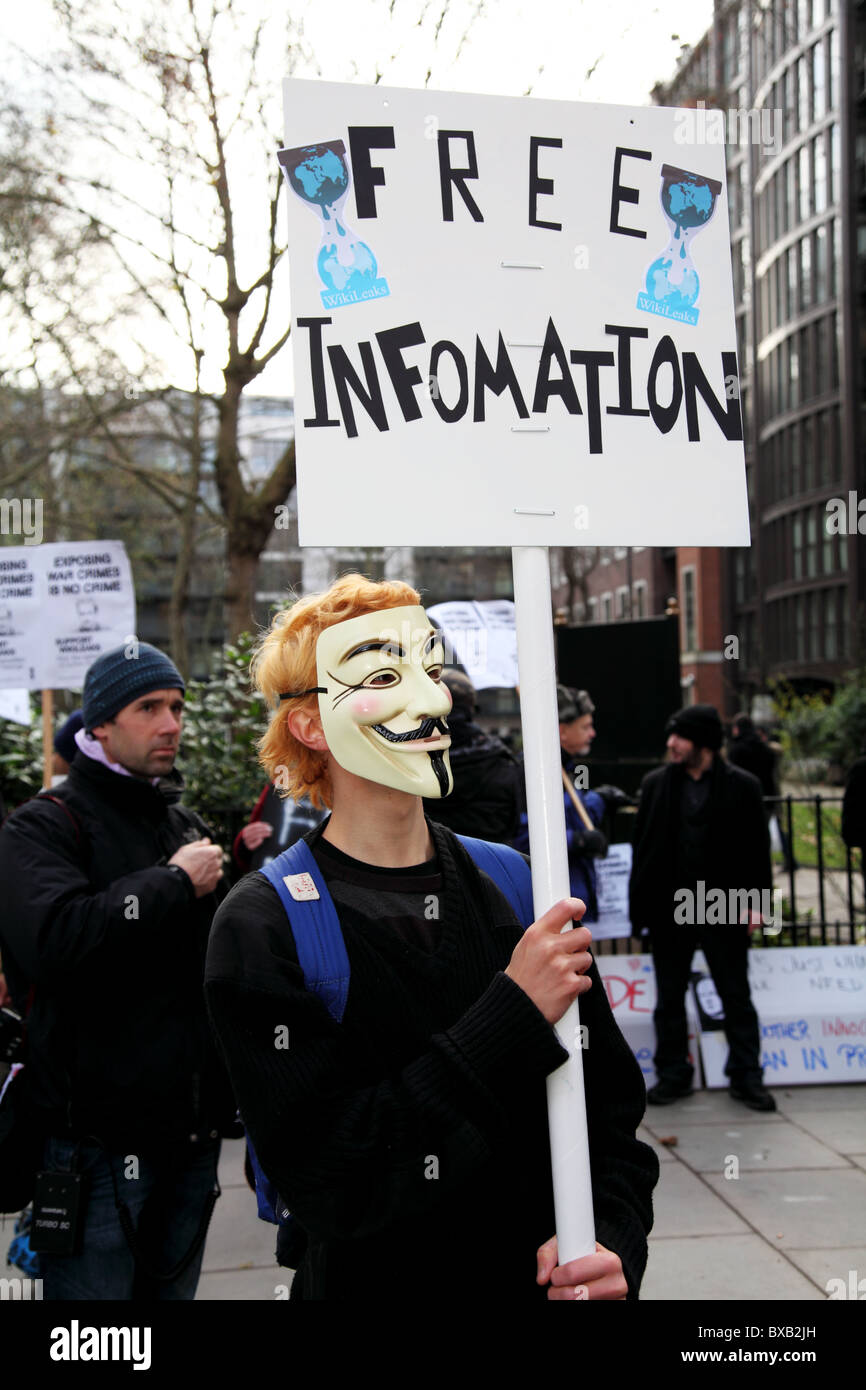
758	1207
748	1206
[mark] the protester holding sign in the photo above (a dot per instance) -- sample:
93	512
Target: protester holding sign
413	1130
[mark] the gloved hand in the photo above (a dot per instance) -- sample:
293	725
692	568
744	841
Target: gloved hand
613	797
589	842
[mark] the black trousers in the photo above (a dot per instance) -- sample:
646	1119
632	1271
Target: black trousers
726	950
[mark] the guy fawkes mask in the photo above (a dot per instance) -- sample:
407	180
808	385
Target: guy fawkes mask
382	706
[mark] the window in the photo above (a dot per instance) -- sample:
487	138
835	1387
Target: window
833	71
827	557
804	94
808	427
833	374
689	610
639	599
804	339
831	645
811	543
606	607
797	544
592	610
818	80
820	331
821	172
813	622
805	183
805	272
794	372
800	627
622	602
791	190
821	282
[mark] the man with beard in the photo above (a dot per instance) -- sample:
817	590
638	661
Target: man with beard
700	827
408	1125
485	800
110	886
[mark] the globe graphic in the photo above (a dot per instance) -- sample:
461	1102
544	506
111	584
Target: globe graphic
320	176
688	202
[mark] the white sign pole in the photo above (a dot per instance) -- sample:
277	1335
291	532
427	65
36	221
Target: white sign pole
566	1103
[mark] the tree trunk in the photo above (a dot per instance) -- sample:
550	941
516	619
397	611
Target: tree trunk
183	565
240	590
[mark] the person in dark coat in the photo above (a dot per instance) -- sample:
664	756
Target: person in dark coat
854	807
746	749
109	889
701	873
485	800
854	812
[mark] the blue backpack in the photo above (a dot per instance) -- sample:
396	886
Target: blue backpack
322	951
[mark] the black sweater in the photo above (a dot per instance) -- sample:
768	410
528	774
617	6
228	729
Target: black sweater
410	1141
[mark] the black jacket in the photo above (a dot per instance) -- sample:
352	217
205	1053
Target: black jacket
113	943
854	806
739	841
485	801
752	754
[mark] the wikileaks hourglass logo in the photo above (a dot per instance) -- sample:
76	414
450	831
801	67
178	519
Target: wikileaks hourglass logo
672	283
319	175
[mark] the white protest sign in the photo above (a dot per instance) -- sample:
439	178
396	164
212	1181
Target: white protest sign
630	985
811	1004
61	606
612	874
513	322
483	637
15	705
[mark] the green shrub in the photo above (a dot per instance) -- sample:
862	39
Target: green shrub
223	720
844	725
21	758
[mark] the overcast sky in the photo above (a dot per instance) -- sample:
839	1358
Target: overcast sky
580	50
583	50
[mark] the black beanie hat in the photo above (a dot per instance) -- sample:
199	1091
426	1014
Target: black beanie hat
64	739
698	723
461	688
118	677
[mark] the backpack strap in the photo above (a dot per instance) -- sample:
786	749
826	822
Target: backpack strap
315	925
509	871
323	958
